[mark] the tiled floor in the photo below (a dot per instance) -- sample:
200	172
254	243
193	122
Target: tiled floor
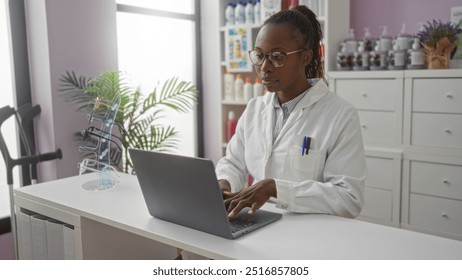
6	247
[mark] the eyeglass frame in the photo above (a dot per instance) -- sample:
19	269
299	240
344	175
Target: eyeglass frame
270	61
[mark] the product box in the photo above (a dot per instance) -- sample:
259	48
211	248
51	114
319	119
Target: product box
456	18
270	7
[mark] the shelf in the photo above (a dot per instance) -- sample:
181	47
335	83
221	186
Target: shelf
252	26
238	103
424	73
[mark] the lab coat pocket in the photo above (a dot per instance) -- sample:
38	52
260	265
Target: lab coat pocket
304	163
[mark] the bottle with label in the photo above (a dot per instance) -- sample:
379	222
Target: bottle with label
257	12
385	40
416	59
228	79
292	4
368	41
239	88
249	13
248	89
257	87
229	14
239	13
231	124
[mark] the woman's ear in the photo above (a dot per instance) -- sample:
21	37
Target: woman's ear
308	56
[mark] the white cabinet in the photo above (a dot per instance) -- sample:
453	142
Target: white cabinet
378	96
432	181
411	122
335	24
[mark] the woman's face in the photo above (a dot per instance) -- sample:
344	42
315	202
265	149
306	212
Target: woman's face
289	79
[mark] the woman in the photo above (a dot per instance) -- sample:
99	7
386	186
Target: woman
300	142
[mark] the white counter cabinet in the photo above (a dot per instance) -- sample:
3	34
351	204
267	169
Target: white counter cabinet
412	129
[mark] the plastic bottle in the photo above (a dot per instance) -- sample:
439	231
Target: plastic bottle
385	40
368	41
257	12
239	88
231	124
248	89
239	13
229	14
249	13
351	43
257	87
292	4
228	79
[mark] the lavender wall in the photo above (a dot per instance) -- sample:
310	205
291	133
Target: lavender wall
393	13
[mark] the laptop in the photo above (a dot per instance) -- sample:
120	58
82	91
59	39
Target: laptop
184	190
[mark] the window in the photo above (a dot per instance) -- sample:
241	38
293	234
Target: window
156	41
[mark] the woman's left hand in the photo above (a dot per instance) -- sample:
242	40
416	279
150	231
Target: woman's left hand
253	197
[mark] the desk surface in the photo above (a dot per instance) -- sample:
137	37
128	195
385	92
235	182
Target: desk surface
295	236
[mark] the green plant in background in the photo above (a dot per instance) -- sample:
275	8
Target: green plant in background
435	30
138	117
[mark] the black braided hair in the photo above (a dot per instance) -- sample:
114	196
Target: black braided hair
301	18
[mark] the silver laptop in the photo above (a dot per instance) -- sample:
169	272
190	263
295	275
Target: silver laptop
185	191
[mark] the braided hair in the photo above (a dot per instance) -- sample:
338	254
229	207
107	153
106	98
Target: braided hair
304	20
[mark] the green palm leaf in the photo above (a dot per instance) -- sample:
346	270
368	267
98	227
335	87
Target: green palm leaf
137	116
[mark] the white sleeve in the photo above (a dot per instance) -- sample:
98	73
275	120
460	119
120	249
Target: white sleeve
341	191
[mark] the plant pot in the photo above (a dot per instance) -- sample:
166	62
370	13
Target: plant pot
438	57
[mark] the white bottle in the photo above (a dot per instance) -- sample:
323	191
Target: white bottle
228	79
239	13
239	88
249	13
229	14
385	40
248	89
257	12
257	87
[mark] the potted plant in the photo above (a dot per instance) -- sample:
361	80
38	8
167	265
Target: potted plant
438	40
138	115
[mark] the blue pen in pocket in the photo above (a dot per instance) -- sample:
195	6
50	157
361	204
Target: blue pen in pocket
304	146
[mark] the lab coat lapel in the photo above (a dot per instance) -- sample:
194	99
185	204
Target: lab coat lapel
268	124
314	94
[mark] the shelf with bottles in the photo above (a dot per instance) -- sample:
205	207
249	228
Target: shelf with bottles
400	52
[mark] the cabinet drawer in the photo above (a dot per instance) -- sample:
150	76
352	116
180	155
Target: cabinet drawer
437	95
373	94
436	214
379	173
439	130
378	204
378	127
436	179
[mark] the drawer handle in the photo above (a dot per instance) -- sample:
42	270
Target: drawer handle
449	95
446	182
444	215
448	131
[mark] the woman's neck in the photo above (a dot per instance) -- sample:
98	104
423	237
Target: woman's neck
286	96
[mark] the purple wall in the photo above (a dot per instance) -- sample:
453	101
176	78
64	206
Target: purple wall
393	13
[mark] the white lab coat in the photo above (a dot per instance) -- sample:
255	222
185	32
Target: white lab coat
330	179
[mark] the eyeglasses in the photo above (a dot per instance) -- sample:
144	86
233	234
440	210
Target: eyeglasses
277	59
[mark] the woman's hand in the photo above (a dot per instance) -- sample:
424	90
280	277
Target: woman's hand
225	188
253	197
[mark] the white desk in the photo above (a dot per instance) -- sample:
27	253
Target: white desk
115	224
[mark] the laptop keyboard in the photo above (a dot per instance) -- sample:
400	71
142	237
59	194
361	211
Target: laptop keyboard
239	224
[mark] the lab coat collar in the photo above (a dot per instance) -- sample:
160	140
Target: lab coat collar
315	93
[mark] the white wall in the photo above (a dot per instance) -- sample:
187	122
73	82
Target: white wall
211	75
66	35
